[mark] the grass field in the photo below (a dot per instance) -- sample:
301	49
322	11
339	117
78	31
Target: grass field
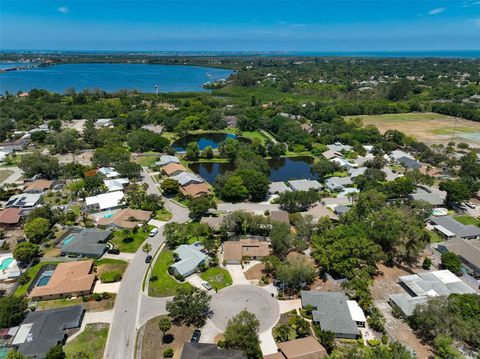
91	341
426	127
164	285
110	270
146	161
255	136
128	241
467	220
217	277
4	174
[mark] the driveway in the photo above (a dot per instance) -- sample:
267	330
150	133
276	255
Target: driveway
151	307
196	281
106	287
130	308
17	173
232	300
236	272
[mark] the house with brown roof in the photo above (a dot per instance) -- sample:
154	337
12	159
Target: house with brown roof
39	186
235	251
173	169
195	190
280	216
69	279
303	348
10	216
125	218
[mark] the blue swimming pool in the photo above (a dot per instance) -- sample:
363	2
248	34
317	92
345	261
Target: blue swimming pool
44	278
5	263
67	240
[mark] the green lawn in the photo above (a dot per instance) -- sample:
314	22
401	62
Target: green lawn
217	277
255	136
110	270
402	117
165	285
146	161
92	341
467	220
434	237
163	215
32	272
127	241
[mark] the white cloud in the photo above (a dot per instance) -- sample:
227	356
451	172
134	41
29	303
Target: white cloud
63	9
436	11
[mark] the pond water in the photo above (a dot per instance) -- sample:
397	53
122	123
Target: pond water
212	139
111	77
281	169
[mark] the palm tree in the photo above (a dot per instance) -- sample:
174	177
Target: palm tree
147	247
164	325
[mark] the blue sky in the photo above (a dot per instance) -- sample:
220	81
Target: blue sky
240	25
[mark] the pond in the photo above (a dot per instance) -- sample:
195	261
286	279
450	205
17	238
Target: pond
281	169
212	139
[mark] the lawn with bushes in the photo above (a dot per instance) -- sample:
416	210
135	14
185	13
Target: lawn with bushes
30	274
127	240
110	270
91	341
218	278
161	283
467	220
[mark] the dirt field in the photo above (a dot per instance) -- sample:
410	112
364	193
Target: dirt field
255	273
431	128
175	338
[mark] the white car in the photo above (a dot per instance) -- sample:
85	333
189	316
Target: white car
153	232
206	285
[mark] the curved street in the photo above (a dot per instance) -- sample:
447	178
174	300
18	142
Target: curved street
122	333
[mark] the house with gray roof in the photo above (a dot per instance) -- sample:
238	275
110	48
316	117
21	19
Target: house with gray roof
342	162
330	154
396	154
305	185
422	286
432	198
84	242
355	172
41	330
408	163
341	210
335	312
190	258
166	159
277	188
186	178
450	228
337	184
468	250
209	351
337	146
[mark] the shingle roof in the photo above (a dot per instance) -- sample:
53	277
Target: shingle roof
185	178
122	217
190	258
10	215
431	198
331	311
409	163
280	216
195	190
278	187
39	185
304	185
166	159
302	348
337	183
236	250
172	168
43	329
209	351
457	228
468	250
87	242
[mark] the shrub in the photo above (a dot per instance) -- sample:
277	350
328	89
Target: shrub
374	342
427	263
96	297
265	279
23	279
168	353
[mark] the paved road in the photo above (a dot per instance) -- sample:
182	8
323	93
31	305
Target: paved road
122	334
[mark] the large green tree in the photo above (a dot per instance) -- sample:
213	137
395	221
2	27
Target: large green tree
12	311
190	306
37	229
242	334
24	252
39	164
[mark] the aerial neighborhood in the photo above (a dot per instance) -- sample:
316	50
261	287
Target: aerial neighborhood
283	214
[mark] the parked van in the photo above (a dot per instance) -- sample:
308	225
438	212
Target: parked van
153	232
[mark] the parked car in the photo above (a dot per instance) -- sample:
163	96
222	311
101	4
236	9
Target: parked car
196	336
206	285
148	259
153	232
113	251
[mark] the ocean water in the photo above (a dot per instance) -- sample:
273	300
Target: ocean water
111	77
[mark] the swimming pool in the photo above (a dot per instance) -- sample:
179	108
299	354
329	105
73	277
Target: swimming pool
67	240
44	278
6	262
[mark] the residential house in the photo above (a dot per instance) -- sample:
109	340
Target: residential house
41	330
195	190
9	268
319	211
391	175
331	154
280	216
235	251
209	351
395	155
347	192
302	348
422	286
331	202
109	172
305	185
450	228
70	279
10	217
173	169
117	184
337	184
186	178
84	242
24	201
428	196
125	218
277	188
231	121
342	162
190	258
355	172
39	186
15	145
307	127
213	222
337	146
335	312
408	163
467	250
166	159
103	122
105	201
341	210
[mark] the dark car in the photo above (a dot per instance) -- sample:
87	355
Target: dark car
148	259
196	336
113	251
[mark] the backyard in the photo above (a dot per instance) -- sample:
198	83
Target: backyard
30	274
164	284
126	240
467	220
218	278
91	305
91	341
110	270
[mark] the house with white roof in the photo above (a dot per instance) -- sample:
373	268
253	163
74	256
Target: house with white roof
395	155
337	146
346	191
117	184
166	159
103	122
105	201
355	172
337	184
305	185
329	154
24	201
190	258
186	178
342	162
9	268
277	188
108	172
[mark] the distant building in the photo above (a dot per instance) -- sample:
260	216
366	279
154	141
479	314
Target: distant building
190	257
166	159
337	184
342	162
468	250
330	154
277	188
335	312
41	330
209	351
422	286
337	146
105	201
408	163
450	228
305	185
302	348
104	122
397	154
